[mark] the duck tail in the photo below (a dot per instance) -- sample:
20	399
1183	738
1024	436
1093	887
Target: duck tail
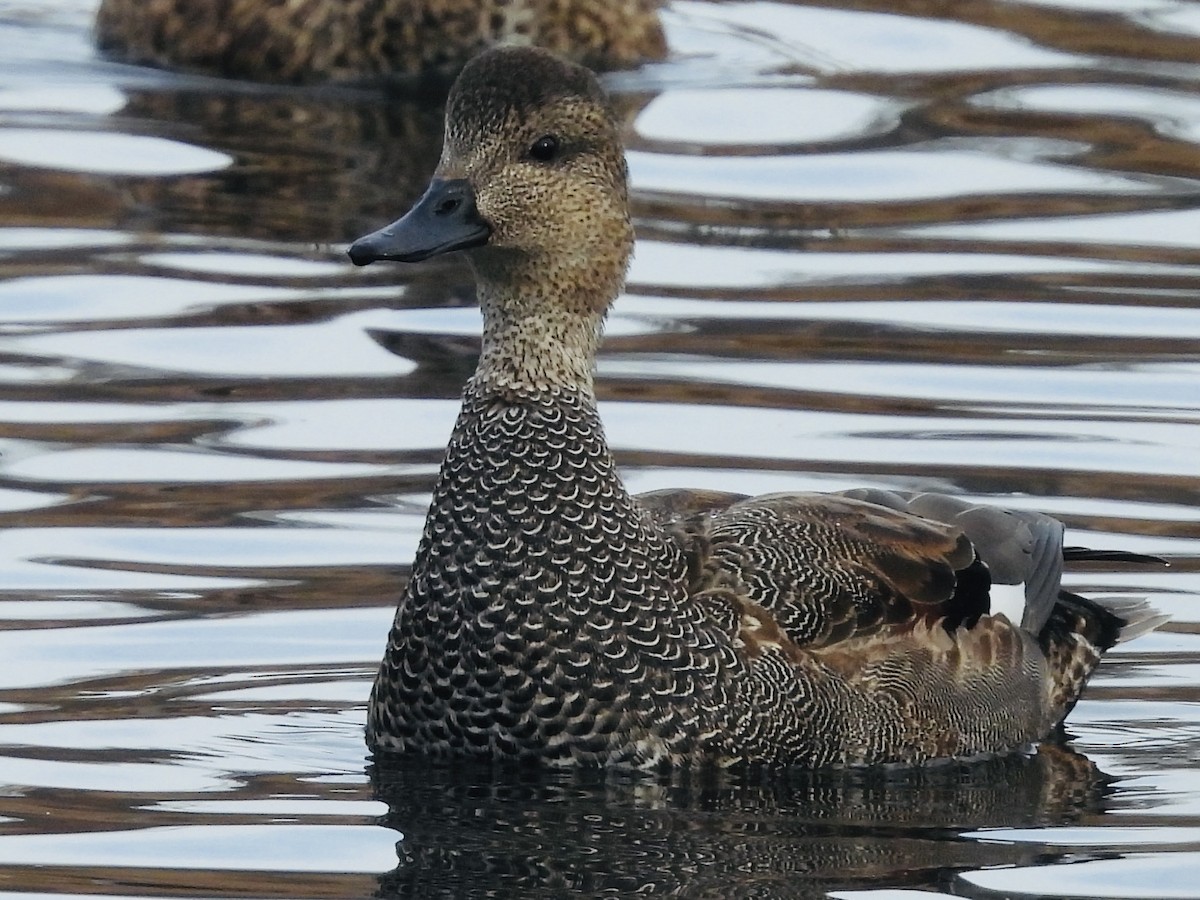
1124	618
1078	633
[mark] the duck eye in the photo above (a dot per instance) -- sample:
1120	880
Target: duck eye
544	149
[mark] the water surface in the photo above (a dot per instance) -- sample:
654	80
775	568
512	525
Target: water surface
877	247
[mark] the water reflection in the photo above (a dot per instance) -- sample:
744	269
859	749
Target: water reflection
315	165
474	835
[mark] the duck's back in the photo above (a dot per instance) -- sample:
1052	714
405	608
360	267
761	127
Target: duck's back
308	40
322	40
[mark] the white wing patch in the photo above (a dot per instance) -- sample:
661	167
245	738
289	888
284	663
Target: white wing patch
1008	600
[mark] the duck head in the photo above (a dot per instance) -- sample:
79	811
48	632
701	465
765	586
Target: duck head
532	184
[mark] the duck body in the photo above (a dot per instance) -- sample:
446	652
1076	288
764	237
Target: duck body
553	617
322	40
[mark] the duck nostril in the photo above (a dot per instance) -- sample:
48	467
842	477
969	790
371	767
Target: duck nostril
447	206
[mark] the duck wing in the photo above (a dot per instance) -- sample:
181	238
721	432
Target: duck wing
832	567
1022	553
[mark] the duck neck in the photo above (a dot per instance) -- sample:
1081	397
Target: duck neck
541	328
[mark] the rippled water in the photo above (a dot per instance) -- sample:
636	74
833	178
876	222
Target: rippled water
877	247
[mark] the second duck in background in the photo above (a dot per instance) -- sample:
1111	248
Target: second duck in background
339	40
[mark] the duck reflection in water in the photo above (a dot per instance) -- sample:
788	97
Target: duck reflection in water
308	165
305	165
475	831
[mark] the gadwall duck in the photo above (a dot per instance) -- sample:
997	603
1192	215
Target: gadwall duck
552	616
319	40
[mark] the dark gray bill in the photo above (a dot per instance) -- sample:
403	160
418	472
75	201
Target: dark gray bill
444	219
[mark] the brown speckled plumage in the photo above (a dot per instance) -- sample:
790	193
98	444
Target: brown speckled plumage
317	40
551	616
